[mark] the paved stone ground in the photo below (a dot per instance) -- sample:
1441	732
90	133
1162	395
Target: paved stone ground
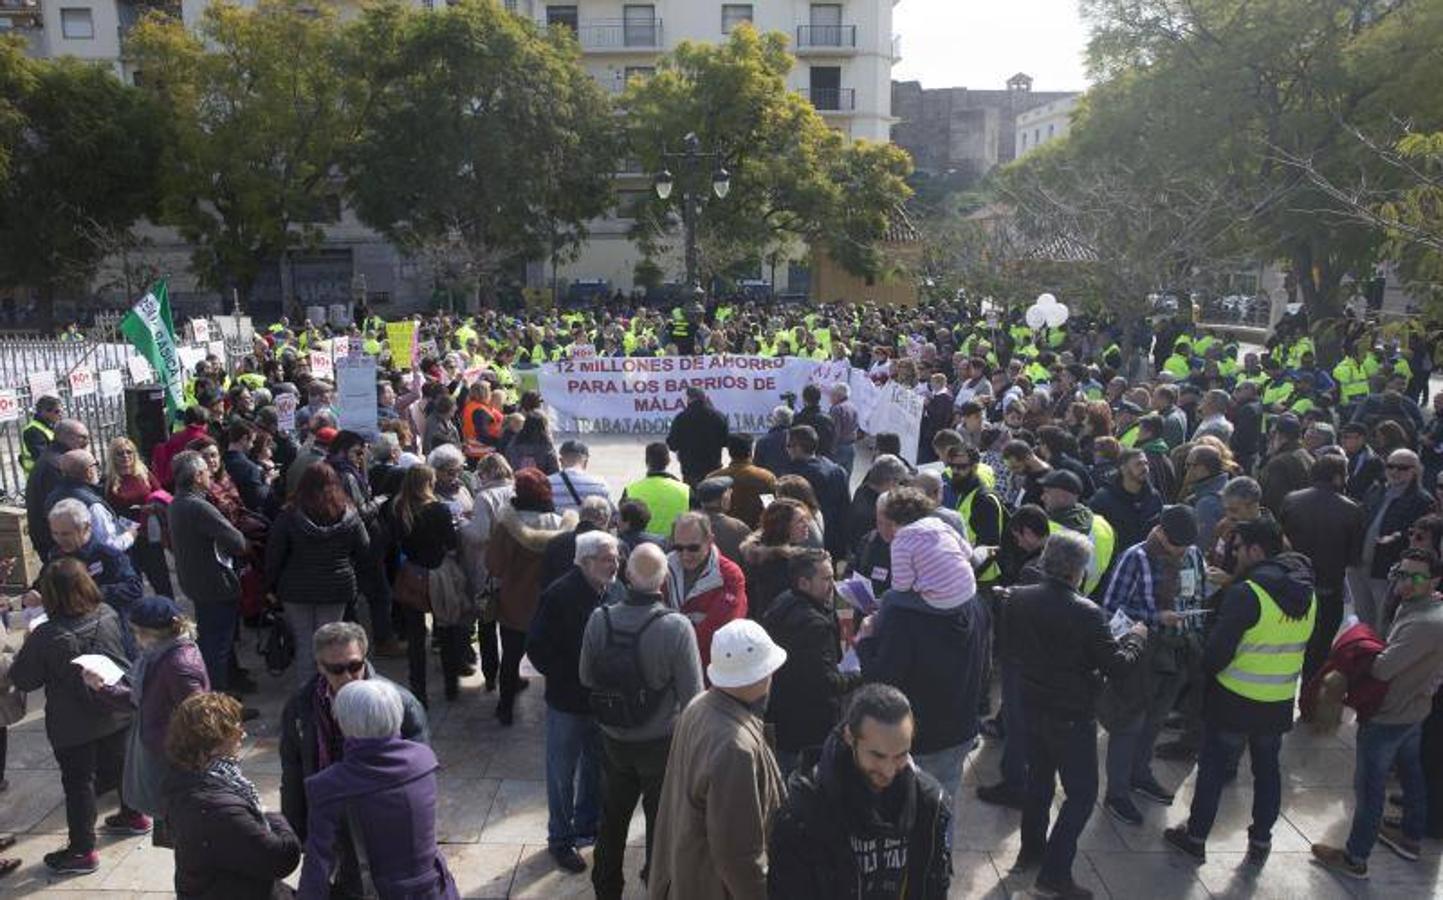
492	813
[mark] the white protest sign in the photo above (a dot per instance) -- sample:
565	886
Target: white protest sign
42	384
82	381
836	371
321	365
9	405
643	394
898	410
189	357
286	412
356	394
140	371
200	330
216	349
112	383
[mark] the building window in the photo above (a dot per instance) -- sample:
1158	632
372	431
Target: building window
631	203
562	15
1024	140
1036	136
733	14
1049	131
825	87
826	22
77	25
639	26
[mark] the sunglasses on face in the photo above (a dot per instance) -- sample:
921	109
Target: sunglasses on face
350	667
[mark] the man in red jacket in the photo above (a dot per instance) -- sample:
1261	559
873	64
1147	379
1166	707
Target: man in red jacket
195	421
703	585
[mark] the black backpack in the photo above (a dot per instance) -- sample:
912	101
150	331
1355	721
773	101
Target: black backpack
277	644
621	697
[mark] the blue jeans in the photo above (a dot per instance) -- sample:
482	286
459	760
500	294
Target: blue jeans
1014	721
573	777
946	765
215	634
1218	758
1058	748
1379	747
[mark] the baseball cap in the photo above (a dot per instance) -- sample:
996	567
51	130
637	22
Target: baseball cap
1062	479
713	488
155	612
1179	523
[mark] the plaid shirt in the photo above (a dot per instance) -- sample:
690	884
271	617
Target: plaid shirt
1133	587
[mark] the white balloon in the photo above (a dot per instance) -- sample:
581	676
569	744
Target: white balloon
1036	317
1056	314
1046	299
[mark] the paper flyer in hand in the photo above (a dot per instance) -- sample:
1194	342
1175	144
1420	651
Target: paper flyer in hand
1120	624
857	591
102	666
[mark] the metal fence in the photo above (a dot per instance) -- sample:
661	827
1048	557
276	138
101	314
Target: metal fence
101	349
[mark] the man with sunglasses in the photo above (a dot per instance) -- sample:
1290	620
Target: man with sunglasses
1389	510
310	738
1412	665
701	583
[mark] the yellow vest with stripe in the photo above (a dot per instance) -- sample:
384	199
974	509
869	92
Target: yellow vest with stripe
1129	437
1269	657
987	476
667	498
991	572
27	462
1103	540
1177	365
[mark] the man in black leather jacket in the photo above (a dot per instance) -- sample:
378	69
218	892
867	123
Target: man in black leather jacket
1065	648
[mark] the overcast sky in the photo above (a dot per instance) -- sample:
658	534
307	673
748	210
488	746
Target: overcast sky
981	43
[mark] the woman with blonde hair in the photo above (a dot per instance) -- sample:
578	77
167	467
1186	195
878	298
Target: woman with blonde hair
424	531
136	494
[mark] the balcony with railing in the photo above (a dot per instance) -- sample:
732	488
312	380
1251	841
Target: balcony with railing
20	15
619	36
826	39
831	100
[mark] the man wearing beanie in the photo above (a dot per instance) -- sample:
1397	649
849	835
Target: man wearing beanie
722	781
1159	583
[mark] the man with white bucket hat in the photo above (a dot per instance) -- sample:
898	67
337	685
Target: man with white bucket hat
722	781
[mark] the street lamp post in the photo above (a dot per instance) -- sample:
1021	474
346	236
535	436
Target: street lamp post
690	160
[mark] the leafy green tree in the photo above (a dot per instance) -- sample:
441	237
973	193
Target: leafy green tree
486	143
793	178
78	150
263	114
1222	91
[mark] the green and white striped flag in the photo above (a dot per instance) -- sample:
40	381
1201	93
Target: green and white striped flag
149	327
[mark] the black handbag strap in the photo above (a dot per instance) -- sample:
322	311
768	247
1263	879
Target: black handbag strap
570	488
363	859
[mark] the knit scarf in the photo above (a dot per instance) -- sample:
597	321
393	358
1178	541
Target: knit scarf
329	742
225	772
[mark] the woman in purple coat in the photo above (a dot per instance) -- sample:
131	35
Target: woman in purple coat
169	669
381	796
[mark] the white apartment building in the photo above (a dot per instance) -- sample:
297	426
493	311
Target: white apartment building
1044	123
844	56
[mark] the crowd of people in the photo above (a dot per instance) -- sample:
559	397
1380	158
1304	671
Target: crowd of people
789	674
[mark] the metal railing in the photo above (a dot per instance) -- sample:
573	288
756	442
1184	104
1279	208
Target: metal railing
617	34
831	99
820	36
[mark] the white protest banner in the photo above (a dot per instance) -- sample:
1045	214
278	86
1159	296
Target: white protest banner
581	351
82	381
864	396
286	412
112	383
642	395
200	331
898	410
42	384
826	374
140	371
9	406
356	394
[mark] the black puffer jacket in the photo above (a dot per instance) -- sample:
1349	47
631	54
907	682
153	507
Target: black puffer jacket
73	714
830	818
1065	648
1288	579
316	564
806	697
224	849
